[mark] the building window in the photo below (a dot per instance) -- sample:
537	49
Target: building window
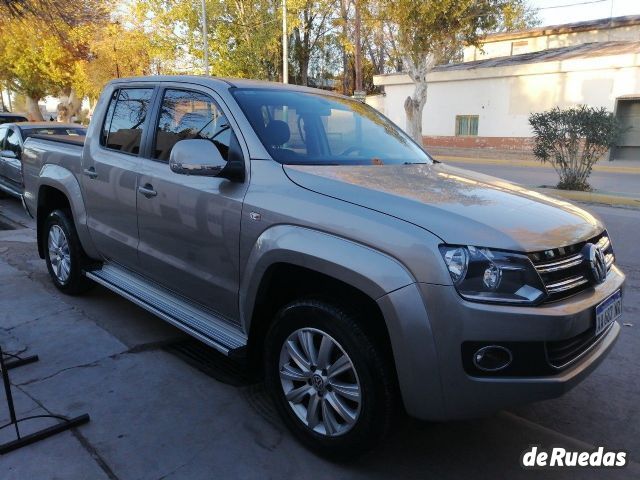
466	125
519	47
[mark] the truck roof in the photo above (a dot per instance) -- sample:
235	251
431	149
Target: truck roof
221	82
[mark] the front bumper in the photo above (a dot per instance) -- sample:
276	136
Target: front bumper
437	387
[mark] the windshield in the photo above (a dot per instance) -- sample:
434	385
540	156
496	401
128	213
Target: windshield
300	128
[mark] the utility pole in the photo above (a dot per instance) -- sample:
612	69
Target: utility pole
205	38
345	36
610	21
285	44
359	92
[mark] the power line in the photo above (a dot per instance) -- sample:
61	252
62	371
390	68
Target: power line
571	4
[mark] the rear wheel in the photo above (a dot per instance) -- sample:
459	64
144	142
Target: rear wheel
328	378
63	253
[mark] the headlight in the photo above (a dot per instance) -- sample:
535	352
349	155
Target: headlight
485	275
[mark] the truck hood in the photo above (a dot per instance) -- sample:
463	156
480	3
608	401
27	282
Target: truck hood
459	206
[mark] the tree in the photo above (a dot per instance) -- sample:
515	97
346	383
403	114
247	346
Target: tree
33	61
517	15
116	52
431	32
44	45
245	39
310	27
55	12
573	140
244	35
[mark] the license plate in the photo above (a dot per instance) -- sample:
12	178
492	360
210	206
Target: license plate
608	311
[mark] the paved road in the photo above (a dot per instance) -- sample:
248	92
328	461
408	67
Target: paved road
610	182
155	416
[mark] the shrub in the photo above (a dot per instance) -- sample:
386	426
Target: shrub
573	140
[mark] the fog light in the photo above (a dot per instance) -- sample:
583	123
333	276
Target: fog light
492	358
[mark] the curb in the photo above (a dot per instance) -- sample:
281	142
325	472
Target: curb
590	197
533	163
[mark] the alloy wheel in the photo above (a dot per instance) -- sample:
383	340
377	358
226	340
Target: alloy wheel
320	382
59	255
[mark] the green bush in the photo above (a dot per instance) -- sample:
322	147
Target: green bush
573	140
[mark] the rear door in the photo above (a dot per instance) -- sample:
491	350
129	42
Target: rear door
190	226
11	168
3	134
111	161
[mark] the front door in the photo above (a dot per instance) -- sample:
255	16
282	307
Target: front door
190	226
110	172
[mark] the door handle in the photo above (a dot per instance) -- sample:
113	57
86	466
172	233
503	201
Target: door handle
147	190
90	172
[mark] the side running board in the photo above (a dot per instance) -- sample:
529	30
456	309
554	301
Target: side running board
202	324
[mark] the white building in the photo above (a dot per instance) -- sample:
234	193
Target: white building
486	101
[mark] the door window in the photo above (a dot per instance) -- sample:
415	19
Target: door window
125	118
186	115
3	133
12	142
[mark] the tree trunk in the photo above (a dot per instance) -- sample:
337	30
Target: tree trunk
414	105
69	106
92	107
9	100
33	110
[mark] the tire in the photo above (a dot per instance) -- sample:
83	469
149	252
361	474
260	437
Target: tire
63	253
369	378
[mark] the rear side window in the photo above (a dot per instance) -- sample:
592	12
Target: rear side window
127	111
186	115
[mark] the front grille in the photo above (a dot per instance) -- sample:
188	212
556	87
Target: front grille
564	270
563	352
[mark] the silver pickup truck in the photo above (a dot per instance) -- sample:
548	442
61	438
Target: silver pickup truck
305	233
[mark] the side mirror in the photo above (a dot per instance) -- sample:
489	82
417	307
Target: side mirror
196	157
8	154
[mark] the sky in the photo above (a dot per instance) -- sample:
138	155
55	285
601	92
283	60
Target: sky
568	11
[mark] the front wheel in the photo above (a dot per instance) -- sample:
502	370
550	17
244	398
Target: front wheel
63	254
329	379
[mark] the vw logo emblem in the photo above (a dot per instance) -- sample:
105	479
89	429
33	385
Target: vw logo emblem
318	382
597	262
